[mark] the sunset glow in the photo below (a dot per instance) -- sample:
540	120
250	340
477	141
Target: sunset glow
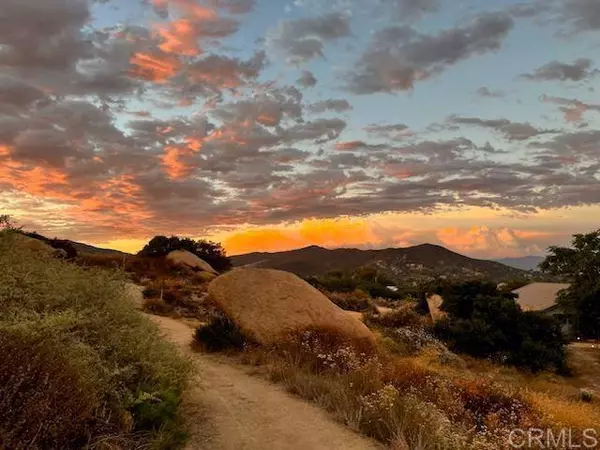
270	126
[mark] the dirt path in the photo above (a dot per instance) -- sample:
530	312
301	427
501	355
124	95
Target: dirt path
229	409
585	360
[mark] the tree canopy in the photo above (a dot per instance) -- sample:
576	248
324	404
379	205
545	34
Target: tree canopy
487	323
211	252
579	265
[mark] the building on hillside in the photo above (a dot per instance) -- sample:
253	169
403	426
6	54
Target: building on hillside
542	297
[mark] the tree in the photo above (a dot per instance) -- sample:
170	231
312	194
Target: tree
6	223
580	265
487	323
211	252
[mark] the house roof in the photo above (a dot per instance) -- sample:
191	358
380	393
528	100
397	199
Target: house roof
539	296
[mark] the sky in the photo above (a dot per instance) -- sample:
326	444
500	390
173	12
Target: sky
271	125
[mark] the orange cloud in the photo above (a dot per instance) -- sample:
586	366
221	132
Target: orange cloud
157	68
180	37
350	145
32	180
173	159
486	241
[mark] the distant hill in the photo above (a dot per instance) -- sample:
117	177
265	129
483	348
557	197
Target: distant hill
91	250
421	262
79	246
524	263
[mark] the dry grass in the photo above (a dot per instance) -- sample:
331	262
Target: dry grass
170	289
419	401
403	315
351	301
140	268
80	367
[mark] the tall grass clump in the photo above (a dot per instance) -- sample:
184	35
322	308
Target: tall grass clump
80	367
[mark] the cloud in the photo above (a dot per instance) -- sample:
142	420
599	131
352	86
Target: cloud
301	40
15	92
350	145
484	241
513	131
44	35
579	70
580	15
398	57
336	105
576	146
235	6
215	72
307	79
486	92
572	109
410	10
219	133
320	130
394	132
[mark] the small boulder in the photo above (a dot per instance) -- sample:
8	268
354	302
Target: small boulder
269	304
185	258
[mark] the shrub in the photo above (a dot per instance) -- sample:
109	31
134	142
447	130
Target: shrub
79	364
366	279
138	267
585	395
44	386
486	323
400	317
352	301
158	307
211	252
220	334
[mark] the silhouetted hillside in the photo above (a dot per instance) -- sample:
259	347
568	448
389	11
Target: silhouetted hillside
419	262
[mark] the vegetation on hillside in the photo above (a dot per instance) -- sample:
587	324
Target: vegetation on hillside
366	279
579	265
211	252
486	323
80	367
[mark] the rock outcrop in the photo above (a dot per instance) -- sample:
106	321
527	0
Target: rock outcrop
185	258
268	305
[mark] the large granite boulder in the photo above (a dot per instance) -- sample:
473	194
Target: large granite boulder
268	305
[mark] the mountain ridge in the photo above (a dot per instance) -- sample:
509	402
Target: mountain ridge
424	261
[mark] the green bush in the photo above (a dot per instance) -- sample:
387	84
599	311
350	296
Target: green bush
365	279
486	323
401	317
220	334
79	364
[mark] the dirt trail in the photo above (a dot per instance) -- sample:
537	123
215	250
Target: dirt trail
585	359
228	409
